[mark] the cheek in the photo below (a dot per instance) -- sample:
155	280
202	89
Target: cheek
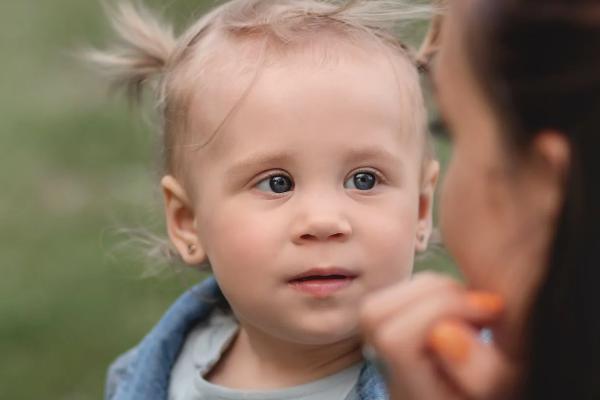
475	219
468	226
238	241
389	242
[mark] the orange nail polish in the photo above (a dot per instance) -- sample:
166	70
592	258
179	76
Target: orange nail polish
485	301
451	340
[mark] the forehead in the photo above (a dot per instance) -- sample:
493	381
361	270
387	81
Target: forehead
317	99
315	84
451	72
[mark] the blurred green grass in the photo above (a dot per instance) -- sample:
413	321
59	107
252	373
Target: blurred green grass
74	167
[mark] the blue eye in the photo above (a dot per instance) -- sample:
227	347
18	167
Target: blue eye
276	184
361	181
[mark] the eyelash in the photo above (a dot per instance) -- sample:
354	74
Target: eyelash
380	178
271	175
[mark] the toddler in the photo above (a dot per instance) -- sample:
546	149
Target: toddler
297	166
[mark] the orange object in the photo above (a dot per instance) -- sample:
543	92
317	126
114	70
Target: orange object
485	301
451	340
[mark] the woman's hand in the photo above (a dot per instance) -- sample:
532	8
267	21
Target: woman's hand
427	331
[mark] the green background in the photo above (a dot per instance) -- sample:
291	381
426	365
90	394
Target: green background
76	165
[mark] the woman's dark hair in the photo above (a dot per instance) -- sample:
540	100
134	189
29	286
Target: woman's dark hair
538	61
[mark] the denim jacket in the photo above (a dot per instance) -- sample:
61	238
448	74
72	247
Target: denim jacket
143	372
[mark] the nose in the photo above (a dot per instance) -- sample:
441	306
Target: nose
321	223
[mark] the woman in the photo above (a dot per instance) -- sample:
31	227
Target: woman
518	83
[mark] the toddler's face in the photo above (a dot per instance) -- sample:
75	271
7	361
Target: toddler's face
311	196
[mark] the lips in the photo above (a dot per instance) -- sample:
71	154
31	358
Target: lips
322	282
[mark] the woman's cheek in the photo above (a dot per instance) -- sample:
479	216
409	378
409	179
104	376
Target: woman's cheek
456	209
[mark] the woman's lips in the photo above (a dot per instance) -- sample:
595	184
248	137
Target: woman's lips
322	282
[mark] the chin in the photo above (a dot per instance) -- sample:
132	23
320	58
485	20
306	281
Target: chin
325	333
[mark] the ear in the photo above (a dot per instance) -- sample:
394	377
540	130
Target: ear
550	166
181	222
431	172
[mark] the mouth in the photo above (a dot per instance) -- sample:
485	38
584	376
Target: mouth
322	282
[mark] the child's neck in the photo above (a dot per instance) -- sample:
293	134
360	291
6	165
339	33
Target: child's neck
256	360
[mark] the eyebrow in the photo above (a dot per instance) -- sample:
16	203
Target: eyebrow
258	161
270	159
370	153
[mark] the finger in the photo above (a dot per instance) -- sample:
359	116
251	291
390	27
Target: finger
397	298
402	339
477	308
479	369
411	372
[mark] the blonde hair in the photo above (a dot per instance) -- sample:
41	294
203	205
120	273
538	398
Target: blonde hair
431	43
149	54
148	51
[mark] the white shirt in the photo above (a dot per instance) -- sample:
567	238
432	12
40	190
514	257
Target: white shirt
204	347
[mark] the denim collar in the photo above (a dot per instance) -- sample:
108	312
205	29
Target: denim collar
144	372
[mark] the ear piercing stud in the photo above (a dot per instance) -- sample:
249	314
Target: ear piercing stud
191	248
